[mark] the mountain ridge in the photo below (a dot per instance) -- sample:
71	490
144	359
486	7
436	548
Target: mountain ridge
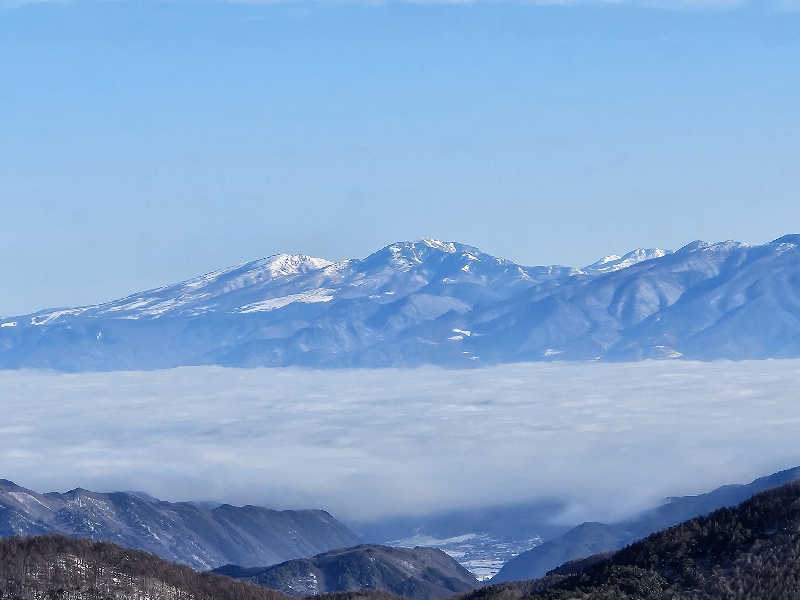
735	553
589	539
435	302
416	573
183	532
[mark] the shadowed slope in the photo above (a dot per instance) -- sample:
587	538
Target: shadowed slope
750	551
183	532
418	573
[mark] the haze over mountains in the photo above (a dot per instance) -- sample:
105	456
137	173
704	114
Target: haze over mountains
201	537
593	538
33	566
433	302
742	553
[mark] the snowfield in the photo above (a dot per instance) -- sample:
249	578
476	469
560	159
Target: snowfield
610	438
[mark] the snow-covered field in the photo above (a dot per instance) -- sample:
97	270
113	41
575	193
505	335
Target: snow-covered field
361	443
480	553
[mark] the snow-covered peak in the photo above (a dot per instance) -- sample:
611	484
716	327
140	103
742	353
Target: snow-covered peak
693	247
724	246
409	255
448	247
792	238
614	262
283	265
220	290
787	243
607	259
257	271
278	265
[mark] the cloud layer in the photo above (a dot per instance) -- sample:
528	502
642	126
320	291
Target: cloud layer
609	437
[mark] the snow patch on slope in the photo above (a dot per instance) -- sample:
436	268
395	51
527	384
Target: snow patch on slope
46	318
321	295
448	247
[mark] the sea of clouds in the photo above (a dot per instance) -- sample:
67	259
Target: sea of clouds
610	438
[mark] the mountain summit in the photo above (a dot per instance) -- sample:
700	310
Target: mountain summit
435	302
614	262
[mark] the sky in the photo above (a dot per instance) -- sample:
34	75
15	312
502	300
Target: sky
592	435
145	142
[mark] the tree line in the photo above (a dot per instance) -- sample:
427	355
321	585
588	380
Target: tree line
56	567
740	553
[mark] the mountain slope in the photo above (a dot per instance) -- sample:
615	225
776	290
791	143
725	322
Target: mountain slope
705	301
276	311
418	573
70	569
433	302
592	538
751	551
182	532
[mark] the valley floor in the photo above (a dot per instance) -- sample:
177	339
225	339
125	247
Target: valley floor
480	553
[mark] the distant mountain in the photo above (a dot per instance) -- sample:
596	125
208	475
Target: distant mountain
481	538
418	573
183	532
743	553
50	567
614	262
280	310
592	538
519	520
705	301
433	302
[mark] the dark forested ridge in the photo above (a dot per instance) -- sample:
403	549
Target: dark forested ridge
588	539
60	568
748	552
356	595
418	573
751	551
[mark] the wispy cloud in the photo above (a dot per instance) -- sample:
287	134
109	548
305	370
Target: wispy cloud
610	438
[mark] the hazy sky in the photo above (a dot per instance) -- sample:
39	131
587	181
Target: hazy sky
609	438
145	142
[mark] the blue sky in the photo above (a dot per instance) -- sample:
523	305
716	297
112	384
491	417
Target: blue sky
145	142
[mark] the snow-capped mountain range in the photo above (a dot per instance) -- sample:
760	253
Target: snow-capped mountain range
434	302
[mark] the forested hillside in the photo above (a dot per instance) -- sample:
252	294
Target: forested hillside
592	538
52	567
742	553
416	573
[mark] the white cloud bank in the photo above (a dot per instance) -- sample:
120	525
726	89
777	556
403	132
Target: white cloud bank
361	443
